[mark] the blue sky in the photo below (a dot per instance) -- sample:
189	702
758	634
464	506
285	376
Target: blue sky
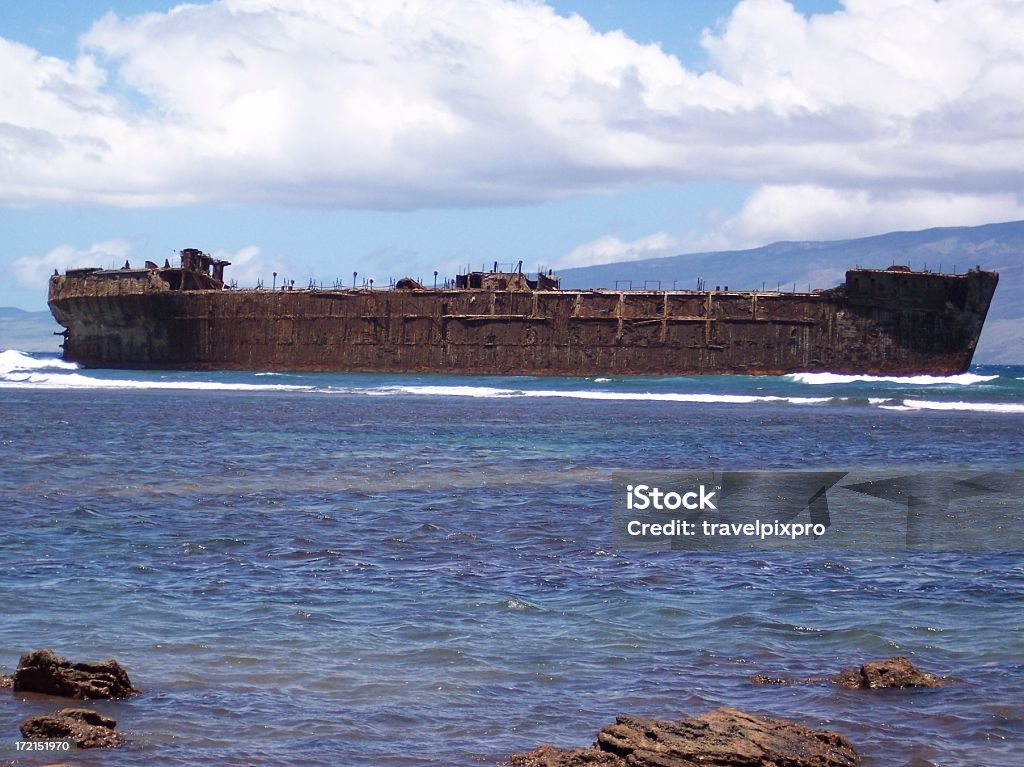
323	137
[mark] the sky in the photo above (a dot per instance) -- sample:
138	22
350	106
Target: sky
317	138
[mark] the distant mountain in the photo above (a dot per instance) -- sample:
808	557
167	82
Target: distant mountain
28	331
785	265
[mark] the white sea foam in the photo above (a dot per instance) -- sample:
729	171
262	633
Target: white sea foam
19	370
486	391
443	391
79	381
978	407
817	379
12	361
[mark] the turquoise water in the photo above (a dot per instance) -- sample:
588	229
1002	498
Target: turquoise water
406	570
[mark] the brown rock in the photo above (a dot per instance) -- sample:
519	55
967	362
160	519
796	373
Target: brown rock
891	672
549	756
849	678
42	671
725	737
87	728
774	680
6	681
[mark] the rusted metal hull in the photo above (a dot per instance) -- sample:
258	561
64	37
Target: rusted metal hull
879	322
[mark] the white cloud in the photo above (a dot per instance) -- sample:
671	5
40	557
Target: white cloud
611	249
33	271
425	103
249	266
808	212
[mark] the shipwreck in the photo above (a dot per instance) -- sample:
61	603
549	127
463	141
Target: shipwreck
891	321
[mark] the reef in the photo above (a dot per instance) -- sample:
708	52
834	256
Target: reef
87	728
43	672
725	737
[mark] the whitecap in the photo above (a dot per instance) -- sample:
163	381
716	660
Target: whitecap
492	392
20	370
14	361
817	379
979	407
79	381
444	391
514	603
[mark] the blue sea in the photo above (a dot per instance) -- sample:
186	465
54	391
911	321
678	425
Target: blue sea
325	569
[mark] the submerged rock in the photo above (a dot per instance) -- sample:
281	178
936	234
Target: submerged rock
87	728
6	681
874	675
782	680
891	672
725	737
42	671
549	756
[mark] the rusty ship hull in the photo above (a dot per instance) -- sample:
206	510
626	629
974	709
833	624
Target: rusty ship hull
876	322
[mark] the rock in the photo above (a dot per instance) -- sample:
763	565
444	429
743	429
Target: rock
779	681
42	671
725	737
849	678
549	756
87	728
6	681
764	679
891	672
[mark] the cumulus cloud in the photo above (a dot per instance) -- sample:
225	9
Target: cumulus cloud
808	212
774	213
33	270
428	103
610	249
250	266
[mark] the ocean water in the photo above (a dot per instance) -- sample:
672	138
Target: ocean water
418	570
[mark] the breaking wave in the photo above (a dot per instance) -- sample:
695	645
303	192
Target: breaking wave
979	407
485	391
817	379
20	370
12	361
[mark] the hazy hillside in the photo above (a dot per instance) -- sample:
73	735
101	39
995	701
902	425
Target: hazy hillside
823	264
28	331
